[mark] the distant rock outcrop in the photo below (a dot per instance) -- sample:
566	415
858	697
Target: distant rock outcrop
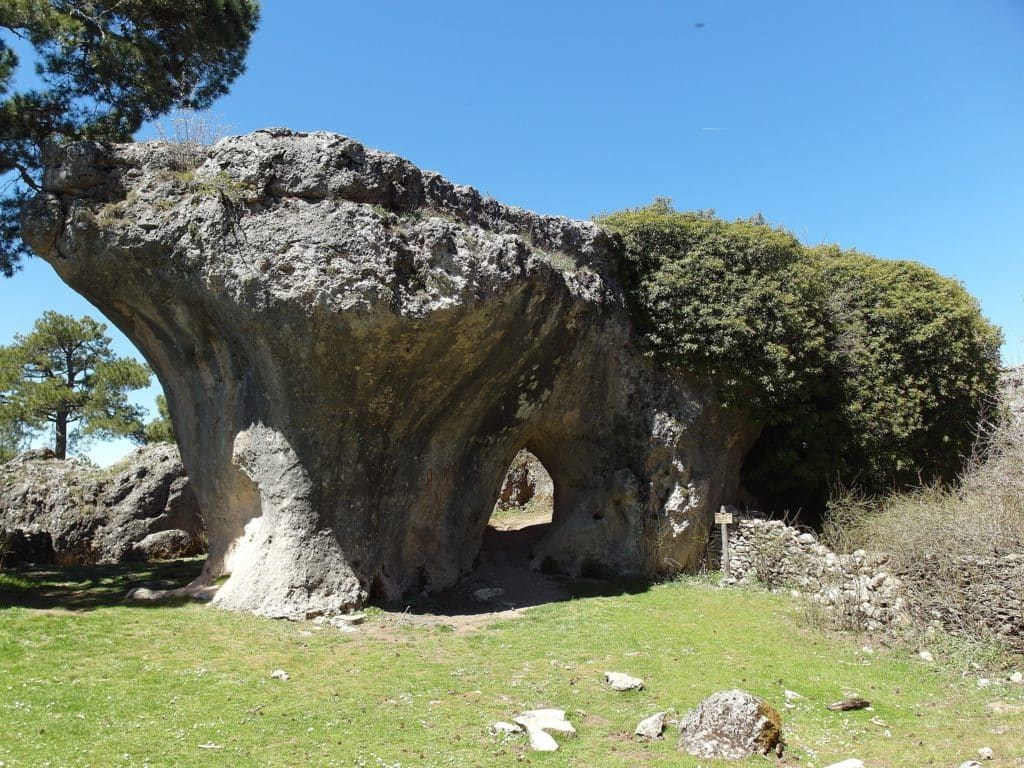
354	350
65	512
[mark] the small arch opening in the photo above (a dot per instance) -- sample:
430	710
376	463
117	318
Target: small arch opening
521	516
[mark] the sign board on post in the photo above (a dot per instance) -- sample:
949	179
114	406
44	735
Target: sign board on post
723	517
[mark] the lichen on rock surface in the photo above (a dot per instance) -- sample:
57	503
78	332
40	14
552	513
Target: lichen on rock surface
354	351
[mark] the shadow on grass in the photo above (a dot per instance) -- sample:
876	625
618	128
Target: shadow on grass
87	587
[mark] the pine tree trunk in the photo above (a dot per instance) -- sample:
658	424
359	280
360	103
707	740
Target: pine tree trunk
61	448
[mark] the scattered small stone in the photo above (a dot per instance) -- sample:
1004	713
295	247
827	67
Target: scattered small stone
926	656
984	682
650	728
488	593
985	753
854	702
279	674
791	695
210	745
1017	678
851	762
1002	708
619	681
507	728
730	724
346	622
970	764
348	618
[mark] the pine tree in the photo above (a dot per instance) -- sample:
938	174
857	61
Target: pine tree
64	376
104	68
160	429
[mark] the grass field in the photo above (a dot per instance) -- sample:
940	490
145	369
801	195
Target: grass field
87	680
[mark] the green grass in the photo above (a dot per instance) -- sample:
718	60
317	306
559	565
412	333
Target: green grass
111	684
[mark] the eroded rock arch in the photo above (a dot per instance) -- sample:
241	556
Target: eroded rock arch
354	349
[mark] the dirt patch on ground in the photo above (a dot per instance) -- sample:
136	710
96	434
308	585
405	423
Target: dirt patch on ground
503	564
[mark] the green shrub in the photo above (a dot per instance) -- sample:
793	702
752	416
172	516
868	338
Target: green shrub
734	302
863	372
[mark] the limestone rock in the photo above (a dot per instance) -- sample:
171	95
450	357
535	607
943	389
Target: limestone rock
71	513
164	545
851	762
505	728
730	724
353	352
280	674
538	722
619	681
486	594
650	728
526	481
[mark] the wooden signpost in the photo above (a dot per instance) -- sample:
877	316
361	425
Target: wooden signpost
724	518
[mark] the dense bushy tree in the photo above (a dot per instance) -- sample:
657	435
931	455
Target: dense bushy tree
104	68
734	302
862	371
63	376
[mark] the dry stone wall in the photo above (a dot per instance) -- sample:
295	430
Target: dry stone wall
857	586
861	587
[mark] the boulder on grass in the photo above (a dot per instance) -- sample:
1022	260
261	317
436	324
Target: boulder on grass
730	724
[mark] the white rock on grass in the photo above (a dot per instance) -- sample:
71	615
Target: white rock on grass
926	656
852	762
1017	678
279	674
651	728
985	753
507	728
984	682
619	681
971	764
538	722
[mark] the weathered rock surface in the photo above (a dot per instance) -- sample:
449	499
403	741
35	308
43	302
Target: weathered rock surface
354	350
651	728
732	725
69	513
538	722
620	681
526	481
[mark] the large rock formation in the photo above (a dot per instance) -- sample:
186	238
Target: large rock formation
54	511
354	350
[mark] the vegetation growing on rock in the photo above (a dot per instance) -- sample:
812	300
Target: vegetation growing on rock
105	68
863	371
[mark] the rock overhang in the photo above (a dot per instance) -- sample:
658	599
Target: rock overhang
354	350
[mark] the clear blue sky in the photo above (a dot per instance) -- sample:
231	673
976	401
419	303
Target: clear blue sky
894	128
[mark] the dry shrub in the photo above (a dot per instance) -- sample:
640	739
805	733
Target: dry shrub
943	542
188	133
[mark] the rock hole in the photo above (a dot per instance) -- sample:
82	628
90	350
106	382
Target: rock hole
522	514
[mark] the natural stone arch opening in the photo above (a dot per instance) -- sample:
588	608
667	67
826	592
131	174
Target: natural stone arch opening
522	514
